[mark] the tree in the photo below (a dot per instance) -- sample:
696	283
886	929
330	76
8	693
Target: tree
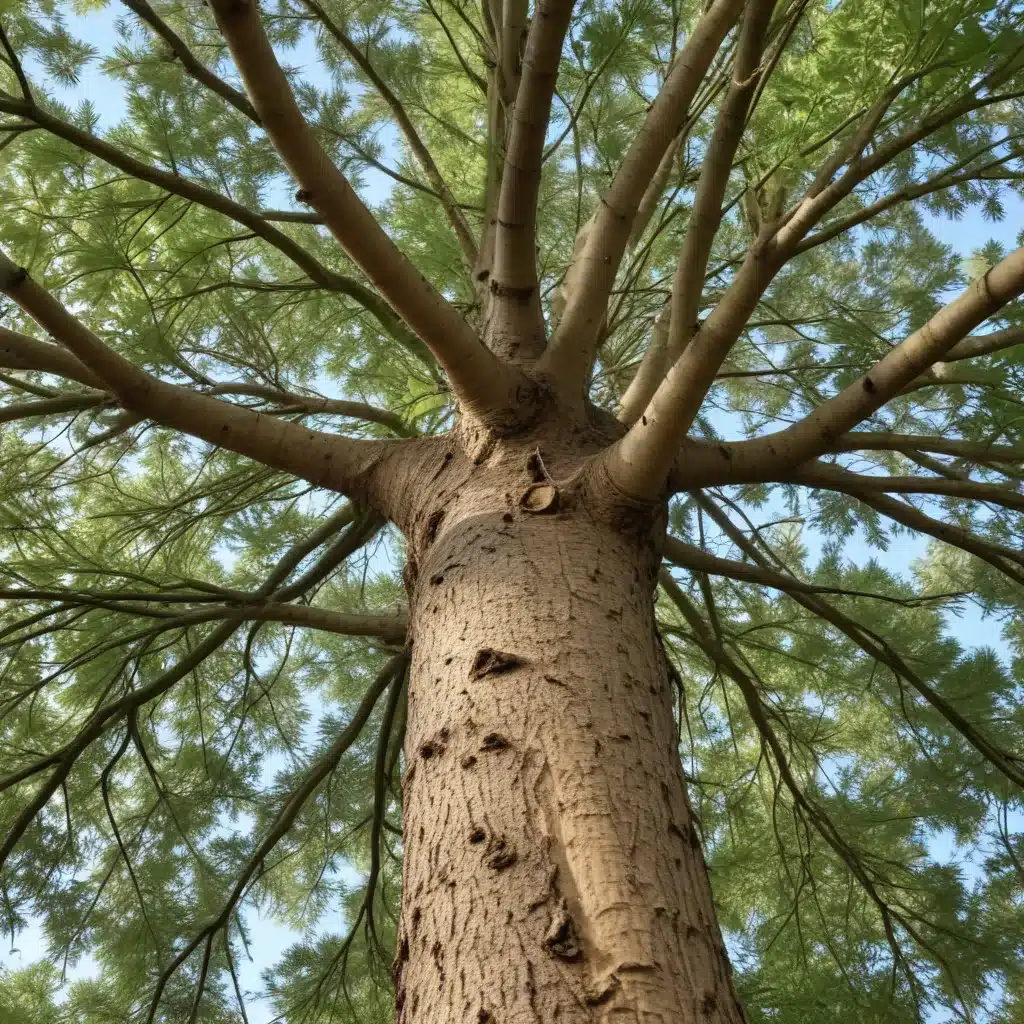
645	337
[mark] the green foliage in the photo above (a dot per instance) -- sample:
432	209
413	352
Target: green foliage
112	527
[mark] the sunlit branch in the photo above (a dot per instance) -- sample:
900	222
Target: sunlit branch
569	355
771	455
324	459
481	381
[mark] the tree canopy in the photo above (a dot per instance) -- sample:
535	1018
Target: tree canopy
202	654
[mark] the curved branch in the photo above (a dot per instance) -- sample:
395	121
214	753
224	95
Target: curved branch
768	457
327	460
568	357
478	377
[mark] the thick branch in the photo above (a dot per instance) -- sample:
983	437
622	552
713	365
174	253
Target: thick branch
768	457
20	352
515	298
52	406
973	451
706	214
569	354
479	379
326	460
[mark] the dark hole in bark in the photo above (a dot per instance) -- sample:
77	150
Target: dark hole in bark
561	940
500	854
468	761
489	662
484	1017
508	517
478	835
708	1004
433	525
493	741
428	750
535	468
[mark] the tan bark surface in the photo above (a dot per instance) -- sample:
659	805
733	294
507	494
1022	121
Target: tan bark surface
553	869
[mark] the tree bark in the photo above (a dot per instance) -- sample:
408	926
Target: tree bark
553	867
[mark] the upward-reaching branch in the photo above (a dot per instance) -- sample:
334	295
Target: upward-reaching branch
516	325
639	463
568	357
326	460
483	383
449	204
706	215
764	458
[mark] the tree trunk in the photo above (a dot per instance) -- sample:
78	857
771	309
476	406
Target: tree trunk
552	868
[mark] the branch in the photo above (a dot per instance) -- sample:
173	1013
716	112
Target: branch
202	196
284	820
188	60
454	215
760	716
480	380
515	297
907	515
20	352
52	406
318	404
706	214
568	357
390	628
695	559
876	648
973	451
768	457
327	460
831	477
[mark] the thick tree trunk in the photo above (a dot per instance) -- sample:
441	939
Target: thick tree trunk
553	872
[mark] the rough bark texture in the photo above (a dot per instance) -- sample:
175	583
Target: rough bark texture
553	871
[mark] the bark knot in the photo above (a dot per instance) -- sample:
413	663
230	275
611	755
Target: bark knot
542	497
489	662
500	854
561	939
491	742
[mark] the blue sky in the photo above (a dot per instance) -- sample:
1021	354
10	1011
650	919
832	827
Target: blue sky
272	939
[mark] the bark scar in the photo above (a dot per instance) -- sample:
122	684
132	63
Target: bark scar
561	939
489	662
